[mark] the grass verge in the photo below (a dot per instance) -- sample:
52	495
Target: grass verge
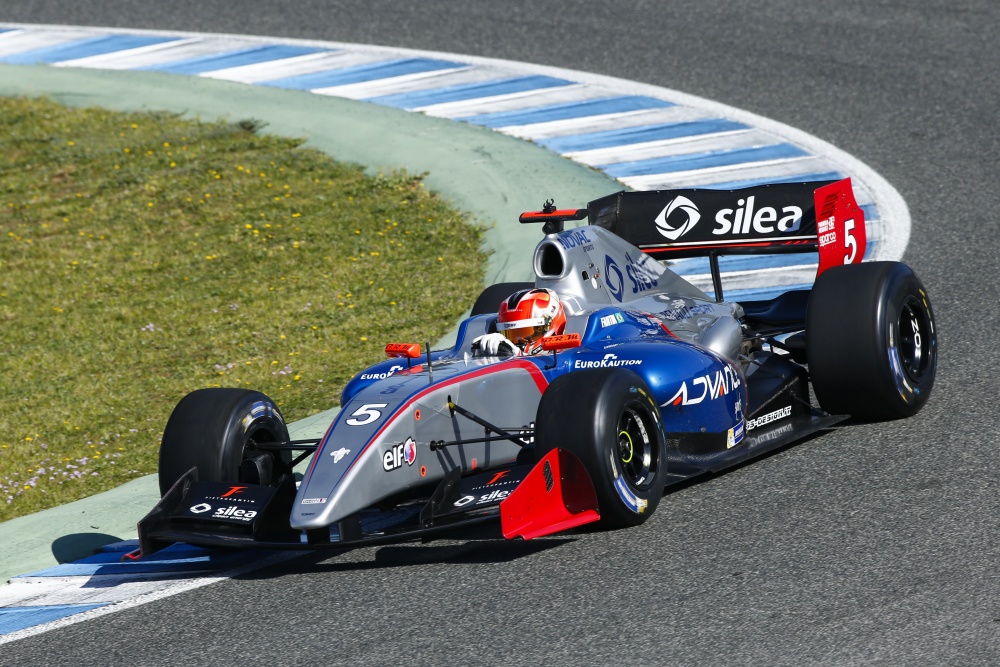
143	256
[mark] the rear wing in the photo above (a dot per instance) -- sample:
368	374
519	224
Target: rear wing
781	218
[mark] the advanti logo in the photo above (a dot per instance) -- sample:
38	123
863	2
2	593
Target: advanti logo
685	220
713	386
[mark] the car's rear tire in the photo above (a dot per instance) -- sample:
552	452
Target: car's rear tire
871	341
491	297
214	430
608	418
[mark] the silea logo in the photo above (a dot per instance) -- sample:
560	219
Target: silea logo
200	508
687	217
763	220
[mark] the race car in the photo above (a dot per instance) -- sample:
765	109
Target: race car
649	382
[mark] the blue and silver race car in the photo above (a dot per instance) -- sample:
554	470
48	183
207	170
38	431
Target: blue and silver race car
650	382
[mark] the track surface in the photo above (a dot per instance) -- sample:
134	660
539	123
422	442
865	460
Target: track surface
874	544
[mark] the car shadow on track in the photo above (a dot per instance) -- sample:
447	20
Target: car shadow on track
474	546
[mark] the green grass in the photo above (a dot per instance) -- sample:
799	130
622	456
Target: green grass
145	256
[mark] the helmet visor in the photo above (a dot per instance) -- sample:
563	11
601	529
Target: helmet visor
521	334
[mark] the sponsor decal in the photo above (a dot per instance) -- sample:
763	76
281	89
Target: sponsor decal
757	422
609	361
485	499
339	454
381	376
632	501
677	218
611	320
734	436
493	497
613	278
313	501
404	451
574	238
497	477
232	496
642	273
234	513
201	508
712	386
764	438
826	231
681	310
744	219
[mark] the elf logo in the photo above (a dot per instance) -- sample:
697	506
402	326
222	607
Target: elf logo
404	451
764	220
687	216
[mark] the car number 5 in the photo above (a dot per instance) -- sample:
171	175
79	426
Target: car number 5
366	414
850	242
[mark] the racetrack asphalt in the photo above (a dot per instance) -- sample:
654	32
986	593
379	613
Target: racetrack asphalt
876	544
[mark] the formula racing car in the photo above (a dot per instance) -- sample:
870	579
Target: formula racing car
649	382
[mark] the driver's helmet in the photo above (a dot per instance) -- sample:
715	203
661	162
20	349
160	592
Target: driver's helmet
526	316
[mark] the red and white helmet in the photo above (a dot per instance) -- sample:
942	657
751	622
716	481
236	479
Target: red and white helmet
526	316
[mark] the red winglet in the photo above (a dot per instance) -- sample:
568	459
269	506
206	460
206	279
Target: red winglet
556	495
840	226
132	555
411	350
561	214
560	342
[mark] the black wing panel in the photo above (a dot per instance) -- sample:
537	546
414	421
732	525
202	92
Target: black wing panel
689	223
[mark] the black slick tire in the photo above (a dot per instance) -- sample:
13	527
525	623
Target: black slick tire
871	341
214	431
608	418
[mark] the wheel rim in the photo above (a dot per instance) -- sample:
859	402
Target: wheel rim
916	337
636	452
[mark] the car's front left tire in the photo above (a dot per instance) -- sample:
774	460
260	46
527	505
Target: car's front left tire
608	418
214	430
